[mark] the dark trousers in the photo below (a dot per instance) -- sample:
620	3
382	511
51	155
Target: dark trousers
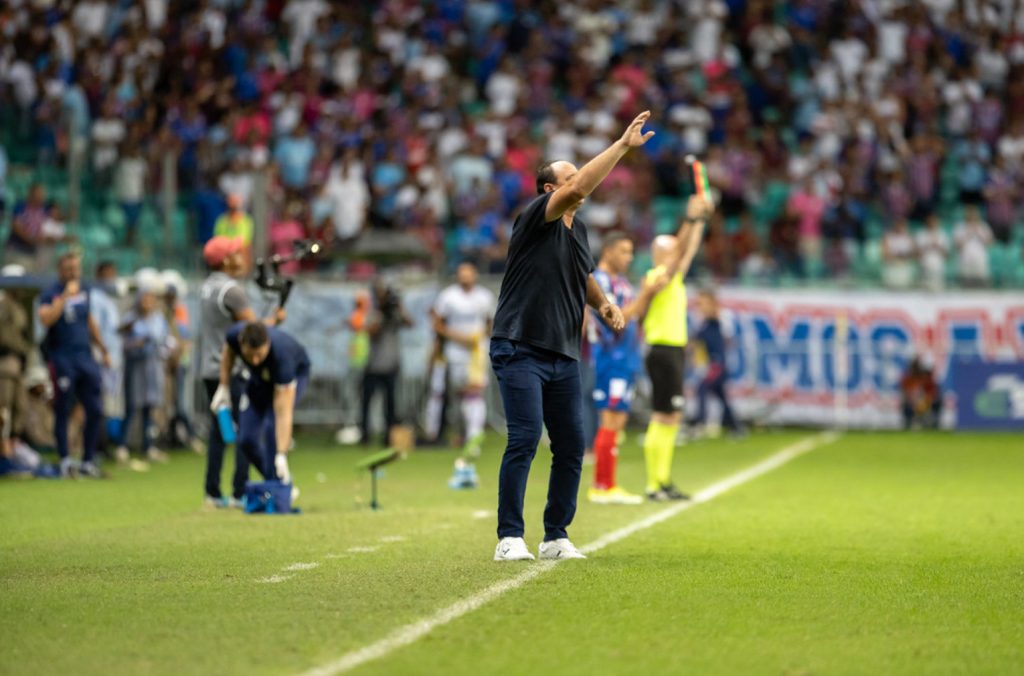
929	419
715	386
77	377
371	383
257	438
538	388
215	445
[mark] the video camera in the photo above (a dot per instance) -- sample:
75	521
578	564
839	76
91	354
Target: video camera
268	270
390	303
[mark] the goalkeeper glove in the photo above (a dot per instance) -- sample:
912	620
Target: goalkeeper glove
281	466
221	398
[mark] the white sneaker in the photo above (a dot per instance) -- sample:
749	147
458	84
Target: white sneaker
136	465
156	455
122	455
512	549
560	549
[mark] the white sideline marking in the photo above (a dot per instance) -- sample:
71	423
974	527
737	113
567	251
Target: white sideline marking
302	566
362	550
483	514
389	539
336	556
274	579
414	631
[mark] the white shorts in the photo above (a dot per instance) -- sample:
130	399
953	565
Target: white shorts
459	375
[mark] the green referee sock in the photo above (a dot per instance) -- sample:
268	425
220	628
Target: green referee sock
659	448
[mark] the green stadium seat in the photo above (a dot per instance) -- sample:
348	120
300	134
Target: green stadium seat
872	259
641	263
1003	260
97	236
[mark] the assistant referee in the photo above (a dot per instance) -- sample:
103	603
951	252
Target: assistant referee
665	334
535	345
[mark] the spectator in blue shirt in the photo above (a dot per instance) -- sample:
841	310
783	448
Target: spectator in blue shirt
972	157
293	155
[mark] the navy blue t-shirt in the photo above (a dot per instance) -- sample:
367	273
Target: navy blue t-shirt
714	342
544	291
69	335
286	362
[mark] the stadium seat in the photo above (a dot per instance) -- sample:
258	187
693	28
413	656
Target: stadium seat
872	259
97	236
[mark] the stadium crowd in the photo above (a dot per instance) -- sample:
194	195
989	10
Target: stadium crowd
833	131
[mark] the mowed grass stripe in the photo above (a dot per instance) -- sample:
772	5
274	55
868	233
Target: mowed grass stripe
413	632
881	553
134	578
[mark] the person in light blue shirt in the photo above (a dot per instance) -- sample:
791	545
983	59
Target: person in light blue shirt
147	339
294	154
107	316
973	157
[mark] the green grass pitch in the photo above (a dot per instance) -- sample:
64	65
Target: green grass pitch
875	554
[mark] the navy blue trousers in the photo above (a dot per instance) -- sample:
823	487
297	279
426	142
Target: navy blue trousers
77	378
256	430
538	388
216	446
715	386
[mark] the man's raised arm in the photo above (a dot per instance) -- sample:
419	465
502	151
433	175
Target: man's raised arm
691	232
578	186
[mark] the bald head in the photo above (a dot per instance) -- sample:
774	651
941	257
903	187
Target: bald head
662	248
554	175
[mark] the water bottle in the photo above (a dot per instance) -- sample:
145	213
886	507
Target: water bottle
227	425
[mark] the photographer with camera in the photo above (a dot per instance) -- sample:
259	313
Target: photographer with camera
383	325
223	302
279	373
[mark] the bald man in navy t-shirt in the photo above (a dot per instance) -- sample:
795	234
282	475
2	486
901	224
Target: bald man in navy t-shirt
535	345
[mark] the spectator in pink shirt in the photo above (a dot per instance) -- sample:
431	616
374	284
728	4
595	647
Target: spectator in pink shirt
808	208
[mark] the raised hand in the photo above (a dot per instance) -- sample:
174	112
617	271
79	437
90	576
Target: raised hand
699	209
655	283
634	137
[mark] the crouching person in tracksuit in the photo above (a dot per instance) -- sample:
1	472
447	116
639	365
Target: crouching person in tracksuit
278	375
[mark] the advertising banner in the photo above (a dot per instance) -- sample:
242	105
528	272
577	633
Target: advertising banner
837	357
989	396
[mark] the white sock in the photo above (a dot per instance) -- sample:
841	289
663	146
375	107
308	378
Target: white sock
474	413
435	404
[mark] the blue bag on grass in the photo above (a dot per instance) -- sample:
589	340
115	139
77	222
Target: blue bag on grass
268	497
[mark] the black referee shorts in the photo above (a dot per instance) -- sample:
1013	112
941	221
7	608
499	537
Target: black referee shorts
665	366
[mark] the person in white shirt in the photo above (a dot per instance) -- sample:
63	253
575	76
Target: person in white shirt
130	186
503	89
90	19
237	179
973	238
349	196
932	252
898	255
108	131
463	315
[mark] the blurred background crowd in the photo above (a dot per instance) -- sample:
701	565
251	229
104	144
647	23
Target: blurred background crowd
863	141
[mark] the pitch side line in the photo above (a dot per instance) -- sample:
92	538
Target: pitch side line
414	631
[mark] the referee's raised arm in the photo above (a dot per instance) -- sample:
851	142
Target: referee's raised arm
571	188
